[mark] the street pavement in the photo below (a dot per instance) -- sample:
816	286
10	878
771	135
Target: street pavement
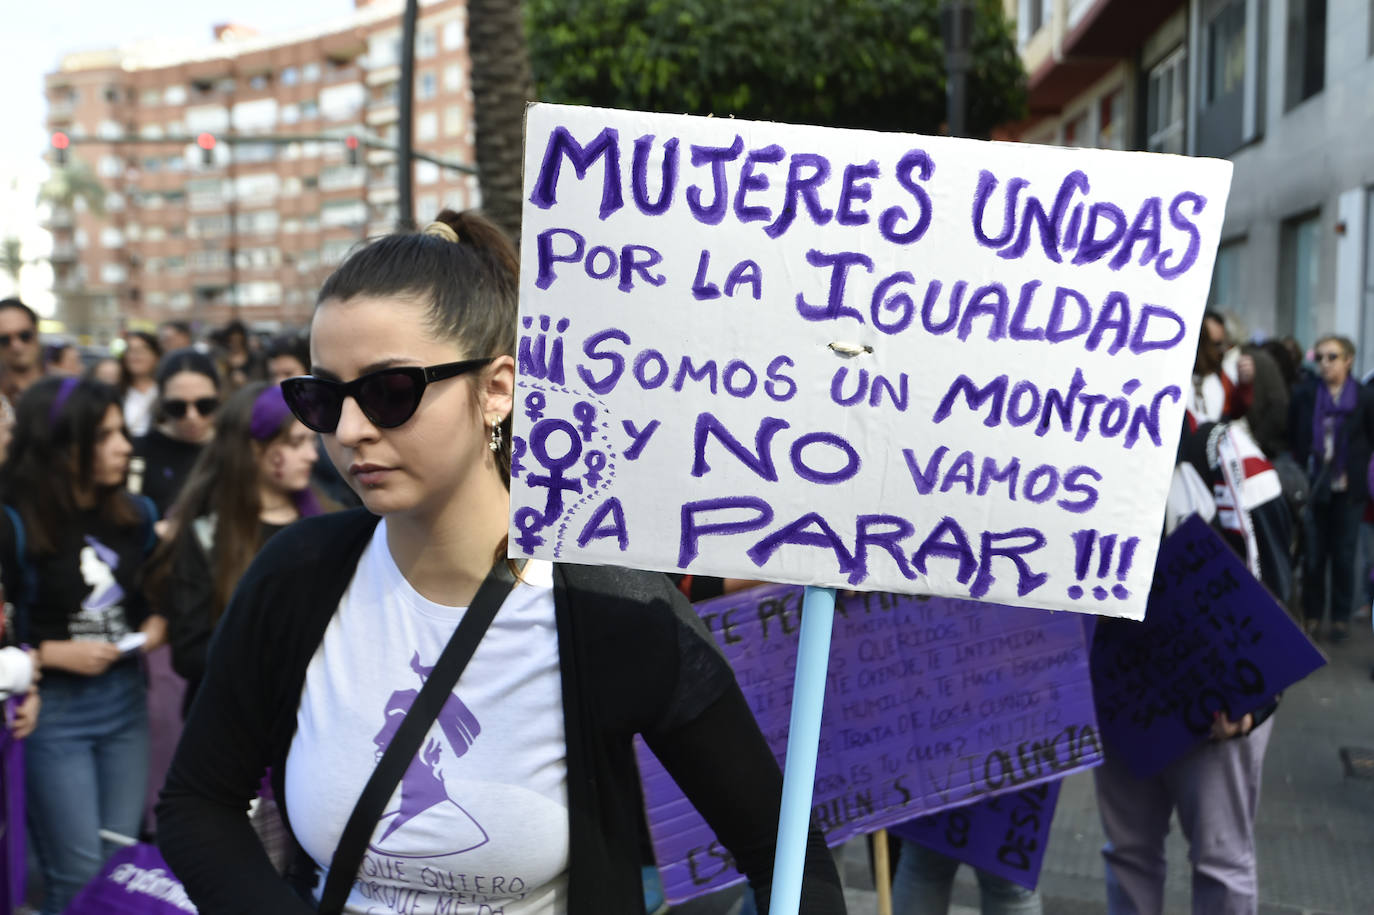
1315	832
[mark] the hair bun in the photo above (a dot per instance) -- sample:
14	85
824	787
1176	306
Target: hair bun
441	230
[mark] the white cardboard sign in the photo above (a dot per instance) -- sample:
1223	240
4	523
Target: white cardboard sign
855	359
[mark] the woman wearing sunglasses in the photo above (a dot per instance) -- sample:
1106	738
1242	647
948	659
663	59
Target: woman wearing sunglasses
521	797
251	480
188	395
71	567
1332	431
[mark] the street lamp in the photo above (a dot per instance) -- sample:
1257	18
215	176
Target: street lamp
956	27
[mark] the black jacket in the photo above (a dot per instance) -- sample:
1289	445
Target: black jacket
634	659
1358	431
164	464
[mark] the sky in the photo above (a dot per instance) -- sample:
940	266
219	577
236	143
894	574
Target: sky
37	34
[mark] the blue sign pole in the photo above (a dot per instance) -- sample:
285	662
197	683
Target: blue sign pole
803	741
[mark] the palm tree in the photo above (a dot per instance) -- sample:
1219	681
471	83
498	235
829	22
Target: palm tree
72	182
502	85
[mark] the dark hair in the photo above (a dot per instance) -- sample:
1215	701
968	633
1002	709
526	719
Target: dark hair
180	327
53	456
1345	343
223	483
470	290
15	303
188	359
125	379
297	346
234	327
52	353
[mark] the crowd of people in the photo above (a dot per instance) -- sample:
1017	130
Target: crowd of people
329	509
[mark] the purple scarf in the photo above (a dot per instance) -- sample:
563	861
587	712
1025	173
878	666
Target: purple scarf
1335	411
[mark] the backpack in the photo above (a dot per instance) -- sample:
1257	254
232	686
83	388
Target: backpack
28	589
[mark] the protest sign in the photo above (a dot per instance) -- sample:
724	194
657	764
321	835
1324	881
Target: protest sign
1214	640
863	360
1004	835
930	703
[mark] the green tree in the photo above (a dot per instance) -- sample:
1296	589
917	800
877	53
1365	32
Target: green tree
12	259
72	182
876	64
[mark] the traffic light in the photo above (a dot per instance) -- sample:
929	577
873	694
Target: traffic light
351	142
206	142
60	142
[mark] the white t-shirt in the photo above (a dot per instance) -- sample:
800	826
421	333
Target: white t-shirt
138	410
479	824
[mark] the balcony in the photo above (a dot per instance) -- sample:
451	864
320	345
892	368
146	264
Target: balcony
382	114
61	218
383	75
63	252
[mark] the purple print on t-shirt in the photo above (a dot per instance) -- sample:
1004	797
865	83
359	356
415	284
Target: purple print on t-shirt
98	565
422	787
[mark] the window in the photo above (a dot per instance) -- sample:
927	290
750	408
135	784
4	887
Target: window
453	78
1111	121
427	207
339	177
427	126
248	153
204	261
290	114
111	237
258	222
310	109
257	115
1225	292
426	44
205	193
258	188
1030	19
333	252
453	120
1225	37
1306	63
429	86
150	97
384	50
343	213
152	165
310	73
454	35
426	173
1164	105
260	82
113	273
150	132
290	76
207	119
207	226
339	103
110	167
1076	130
1299	269
258	293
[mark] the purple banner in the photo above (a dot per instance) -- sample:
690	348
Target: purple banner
1004	835
135	881
13	860
1213	640
931	703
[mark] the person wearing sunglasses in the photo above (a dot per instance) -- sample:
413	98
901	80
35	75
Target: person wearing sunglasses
188	392
73	544
522	795
252	478
1332	431
20	350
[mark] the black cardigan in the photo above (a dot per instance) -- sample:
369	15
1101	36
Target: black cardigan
634	658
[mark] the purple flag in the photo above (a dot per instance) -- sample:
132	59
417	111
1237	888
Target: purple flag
13	863
931	703
1005	835
1213	640
135	881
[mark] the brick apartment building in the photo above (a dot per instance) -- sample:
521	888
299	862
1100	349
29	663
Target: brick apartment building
252	232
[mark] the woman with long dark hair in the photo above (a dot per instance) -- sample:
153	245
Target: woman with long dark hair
521	794
251	481
72	546
188	389
138	380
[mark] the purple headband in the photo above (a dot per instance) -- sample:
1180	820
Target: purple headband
269	412
64	393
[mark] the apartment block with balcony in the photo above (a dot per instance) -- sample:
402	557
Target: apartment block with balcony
1283	88
251	228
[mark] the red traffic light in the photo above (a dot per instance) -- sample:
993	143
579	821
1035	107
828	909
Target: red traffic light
351	142
60	140
206	141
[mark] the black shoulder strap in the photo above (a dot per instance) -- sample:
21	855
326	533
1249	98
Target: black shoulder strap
362	822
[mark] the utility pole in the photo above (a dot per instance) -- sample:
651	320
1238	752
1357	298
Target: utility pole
405	215
956	27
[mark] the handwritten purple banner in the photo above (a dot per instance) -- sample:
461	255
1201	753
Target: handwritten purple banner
1004	835
931	703
1213	640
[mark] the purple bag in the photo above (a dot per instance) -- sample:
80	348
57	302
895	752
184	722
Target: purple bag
13	869
135	881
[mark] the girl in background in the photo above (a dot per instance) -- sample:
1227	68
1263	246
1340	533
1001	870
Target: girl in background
138	382
250	481
76	588
188	395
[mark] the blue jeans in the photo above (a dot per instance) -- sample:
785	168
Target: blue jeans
925	878
86	769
